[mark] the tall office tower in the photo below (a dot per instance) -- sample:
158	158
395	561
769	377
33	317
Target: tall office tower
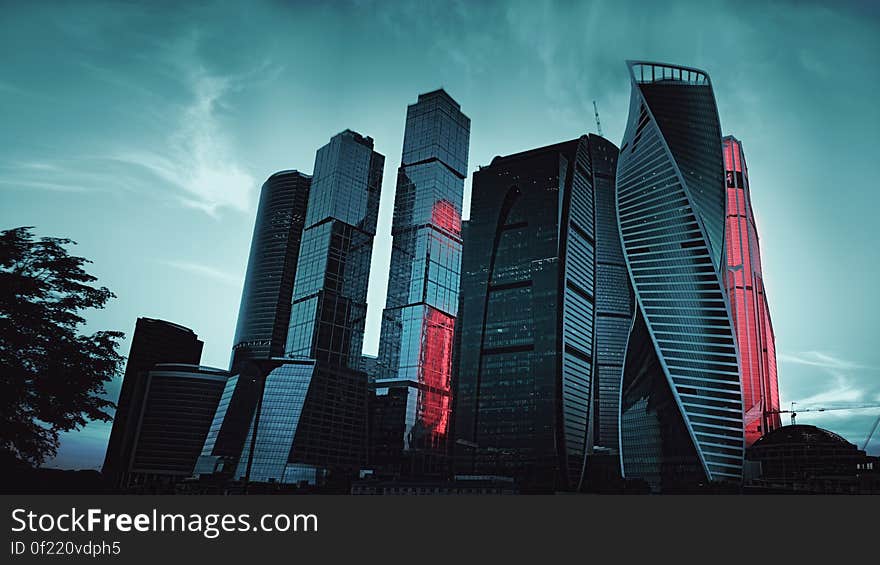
304	417
681	399
264	314
332	273
153	341
263	319
178	408
748	301
535	386
415	348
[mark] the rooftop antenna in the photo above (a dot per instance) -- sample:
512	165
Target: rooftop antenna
598	123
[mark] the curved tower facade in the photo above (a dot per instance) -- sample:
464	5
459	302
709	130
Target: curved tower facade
748	302
264	314
541	341
614	313
681	419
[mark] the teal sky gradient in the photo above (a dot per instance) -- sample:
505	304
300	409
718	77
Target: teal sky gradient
144	131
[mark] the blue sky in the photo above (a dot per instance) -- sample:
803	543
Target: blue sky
143	131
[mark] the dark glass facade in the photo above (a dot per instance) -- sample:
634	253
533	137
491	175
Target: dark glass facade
178	407
153	341
312	422
264	314
744	281
370	365
232	419
681	399
532	397
415	349
330	292
288	421
615	305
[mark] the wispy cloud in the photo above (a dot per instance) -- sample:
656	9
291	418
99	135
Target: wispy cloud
23	184
205	271
85	174
200	161
193	158
833	380
840	388
116	79
820	359
38	166
10	88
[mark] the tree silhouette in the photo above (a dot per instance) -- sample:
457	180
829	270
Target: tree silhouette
51	377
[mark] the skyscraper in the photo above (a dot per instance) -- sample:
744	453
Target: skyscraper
303	417
541	344
681	399
415	348
153	341
263	318
748	301
264	314
330	292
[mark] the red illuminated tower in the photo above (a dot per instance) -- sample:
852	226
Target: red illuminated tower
413	387
748	301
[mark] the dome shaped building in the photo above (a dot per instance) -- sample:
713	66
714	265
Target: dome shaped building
804	458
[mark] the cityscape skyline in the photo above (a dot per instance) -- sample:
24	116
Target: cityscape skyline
813	363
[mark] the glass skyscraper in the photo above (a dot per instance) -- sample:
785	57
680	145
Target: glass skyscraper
154	341
263	318
413	391
748	301
303	417
312	417
231	424
681	399
332	273
541	344
264	314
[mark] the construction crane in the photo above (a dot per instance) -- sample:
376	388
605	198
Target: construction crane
871	433
598	123
794	414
